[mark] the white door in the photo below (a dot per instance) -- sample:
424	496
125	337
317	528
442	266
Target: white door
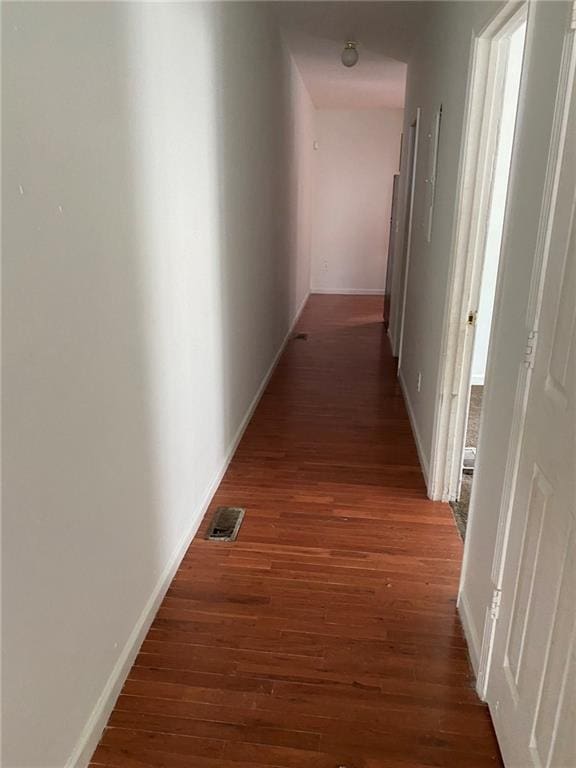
532	678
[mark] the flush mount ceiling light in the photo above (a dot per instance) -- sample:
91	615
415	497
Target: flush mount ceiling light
350	54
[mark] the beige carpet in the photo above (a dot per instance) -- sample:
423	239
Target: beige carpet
474	415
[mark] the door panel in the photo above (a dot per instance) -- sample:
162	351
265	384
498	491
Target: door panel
536	517
558	702
531	686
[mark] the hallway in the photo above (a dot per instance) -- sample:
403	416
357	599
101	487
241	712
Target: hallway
327	634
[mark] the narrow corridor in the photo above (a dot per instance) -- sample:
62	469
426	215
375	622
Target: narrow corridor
327	634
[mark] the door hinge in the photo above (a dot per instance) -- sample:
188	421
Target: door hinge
530	351
471	319
495	604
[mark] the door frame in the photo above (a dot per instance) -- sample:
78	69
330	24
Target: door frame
408	218
566	81
485	92
392	240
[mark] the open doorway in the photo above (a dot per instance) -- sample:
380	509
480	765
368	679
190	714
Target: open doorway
487	150
481	320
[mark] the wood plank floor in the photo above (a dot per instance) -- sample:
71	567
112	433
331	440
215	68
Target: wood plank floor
327	635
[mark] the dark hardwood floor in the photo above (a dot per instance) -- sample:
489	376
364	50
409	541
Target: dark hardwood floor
327	634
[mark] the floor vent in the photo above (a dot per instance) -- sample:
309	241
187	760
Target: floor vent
301	336
225	524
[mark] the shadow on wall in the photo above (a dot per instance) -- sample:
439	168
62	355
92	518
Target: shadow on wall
254	172
153	263
81	487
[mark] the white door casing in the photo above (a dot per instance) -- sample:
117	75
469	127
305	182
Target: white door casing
485	93
408	214
531	686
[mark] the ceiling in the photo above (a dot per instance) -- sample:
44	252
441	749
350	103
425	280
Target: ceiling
315	33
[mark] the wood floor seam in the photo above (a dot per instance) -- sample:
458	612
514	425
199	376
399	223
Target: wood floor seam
327	634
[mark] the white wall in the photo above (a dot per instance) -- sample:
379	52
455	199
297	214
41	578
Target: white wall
302	170
357	157
497	207
153	263
437	75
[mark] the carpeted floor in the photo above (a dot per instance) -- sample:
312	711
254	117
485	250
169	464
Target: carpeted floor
460	507
474	411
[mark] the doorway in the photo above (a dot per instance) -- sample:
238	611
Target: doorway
487	151
481	320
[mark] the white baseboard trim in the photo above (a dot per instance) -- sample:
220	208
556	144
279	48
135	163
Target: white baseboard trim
477	379
96	723
424	465
349	291
472	639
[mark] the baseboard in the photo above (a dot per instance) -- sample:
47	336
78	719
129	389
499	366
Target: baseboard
96	723
477	380
418	440
349	291
470	633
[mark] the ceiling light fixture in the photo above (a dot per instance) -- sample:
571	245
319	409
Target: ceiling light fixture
350	54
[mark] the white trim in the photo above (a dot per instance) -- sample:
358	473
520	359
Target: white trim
485	659
470	633
417	439
92	731
566	80
484	97
349	291
477	379
407	230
